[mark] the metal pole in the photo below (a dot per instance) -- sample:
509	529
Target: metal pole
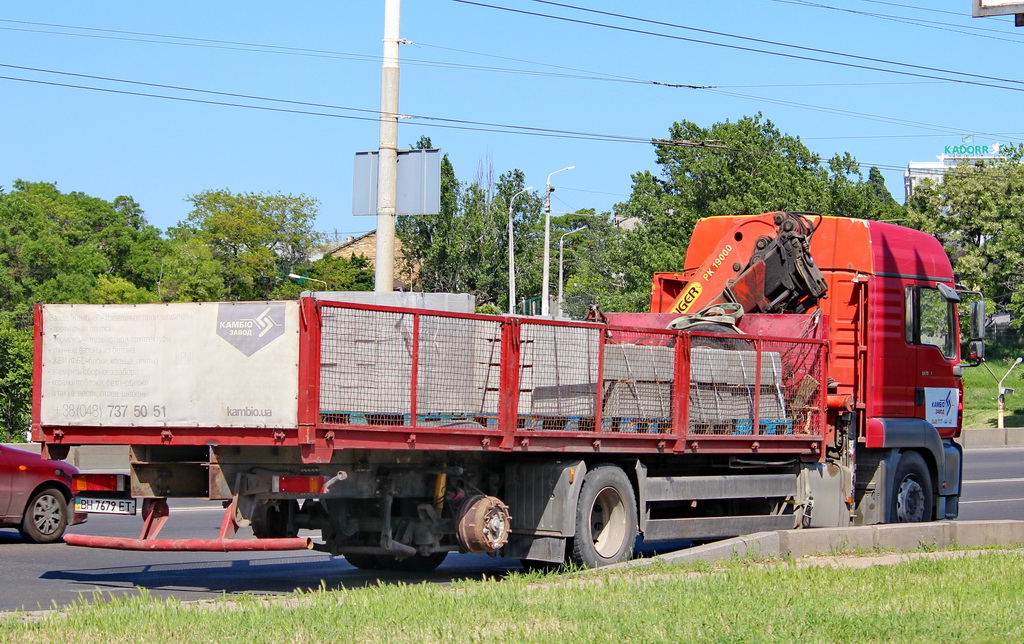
545	296
387	158
512	255
1001	401
561	241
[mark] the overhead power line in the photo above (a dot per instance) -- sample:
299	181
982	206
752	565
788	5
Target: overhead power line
1014	85
373	115
562	72
231	45
967	30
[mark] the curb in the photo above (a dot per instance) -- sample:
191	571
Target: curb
893	536
990	437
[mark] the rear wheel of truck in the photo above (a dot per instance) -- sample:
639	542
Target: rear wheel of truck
606	522
911	495
415	563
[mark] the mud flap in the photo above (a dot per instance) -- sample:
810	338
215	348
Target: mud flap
542	498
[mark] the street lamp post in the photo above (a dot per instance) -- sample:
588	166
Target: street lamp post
1001	408
299	278
545	297
512	254
561	241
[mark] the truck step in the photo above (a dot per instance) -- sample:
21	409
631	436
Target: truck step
714	527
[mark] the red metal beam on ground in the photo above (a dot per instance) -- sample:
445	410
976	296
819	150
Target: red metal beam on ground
189	545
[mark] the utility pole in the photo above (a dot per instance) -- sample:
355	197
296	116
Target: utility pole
387	158
512	253
545	295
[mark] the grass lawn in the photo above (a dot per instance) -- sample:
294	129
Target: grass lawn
981	391
977	599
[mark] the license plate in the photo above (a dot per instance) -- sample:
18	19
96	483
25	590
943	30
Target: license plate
105	506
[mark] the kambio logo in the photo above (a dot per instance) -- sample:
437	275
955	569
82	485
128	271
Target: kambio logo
250	326
943	407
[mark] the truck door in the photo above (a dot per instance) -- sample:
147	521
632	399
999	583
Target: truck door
931	334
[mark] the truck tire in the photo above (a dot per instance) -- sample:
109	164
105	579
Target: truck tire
911	497
46	516
415	563
606	520
270	520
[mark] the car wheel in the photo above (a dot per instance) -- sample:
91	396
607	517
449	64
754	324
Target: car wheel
45	518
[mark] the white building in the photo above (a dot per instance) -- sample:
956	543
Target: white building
918	171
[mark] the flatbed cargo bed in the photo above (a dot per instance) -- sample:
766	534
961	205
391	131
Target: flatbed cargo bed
328	376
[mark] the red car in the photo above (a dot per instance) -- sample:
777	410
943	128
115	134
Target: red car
35	495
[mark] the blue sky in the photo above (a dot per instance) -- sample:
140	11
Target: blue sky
468	62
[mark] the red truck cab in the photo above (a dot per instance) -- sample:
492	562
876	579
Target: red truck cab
893	327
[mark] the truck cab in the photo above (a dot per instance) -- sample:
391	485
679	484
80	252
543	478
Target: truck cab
894	351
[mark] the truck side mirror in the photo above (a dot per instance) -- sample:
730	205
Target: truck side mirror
976	350
978	320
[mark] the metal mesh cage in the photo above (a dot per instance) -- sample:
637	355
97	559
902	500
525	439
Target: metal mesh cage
572	377
367	362
558	376
777	386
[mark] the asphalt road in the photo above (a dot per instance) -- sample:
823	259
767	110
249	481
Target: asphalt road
44	576
993	484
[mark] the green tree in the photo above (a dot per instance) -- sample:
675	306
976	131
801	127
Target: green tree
975	210
338	273
190	273
15	382
256	237
55	247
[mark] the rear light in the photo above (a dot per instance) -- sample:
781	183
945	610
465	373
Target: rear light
297	484
99	483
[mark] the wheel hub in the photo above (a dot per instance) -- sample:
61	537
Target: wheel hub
910	502
46	515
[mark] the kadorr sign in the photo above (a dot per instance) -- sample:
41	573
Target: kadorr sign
973	150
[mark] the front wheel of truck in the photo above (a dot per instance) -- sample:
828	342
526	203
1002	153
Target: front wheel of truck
606	520
911	495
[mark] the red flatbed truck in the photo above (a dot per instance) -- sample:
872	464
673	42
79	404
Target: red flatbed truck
402	434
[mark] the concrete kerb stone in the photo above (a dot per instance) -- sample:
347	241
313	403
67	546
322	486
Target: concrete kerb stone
797	543
759	544
983	533
895	536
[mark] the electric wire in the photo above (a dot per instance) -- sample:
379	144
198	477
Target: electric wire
915	74
928	24
374	115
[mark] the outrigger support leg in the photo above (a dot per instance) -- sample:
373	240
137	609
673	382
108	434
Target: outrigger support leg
154	516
